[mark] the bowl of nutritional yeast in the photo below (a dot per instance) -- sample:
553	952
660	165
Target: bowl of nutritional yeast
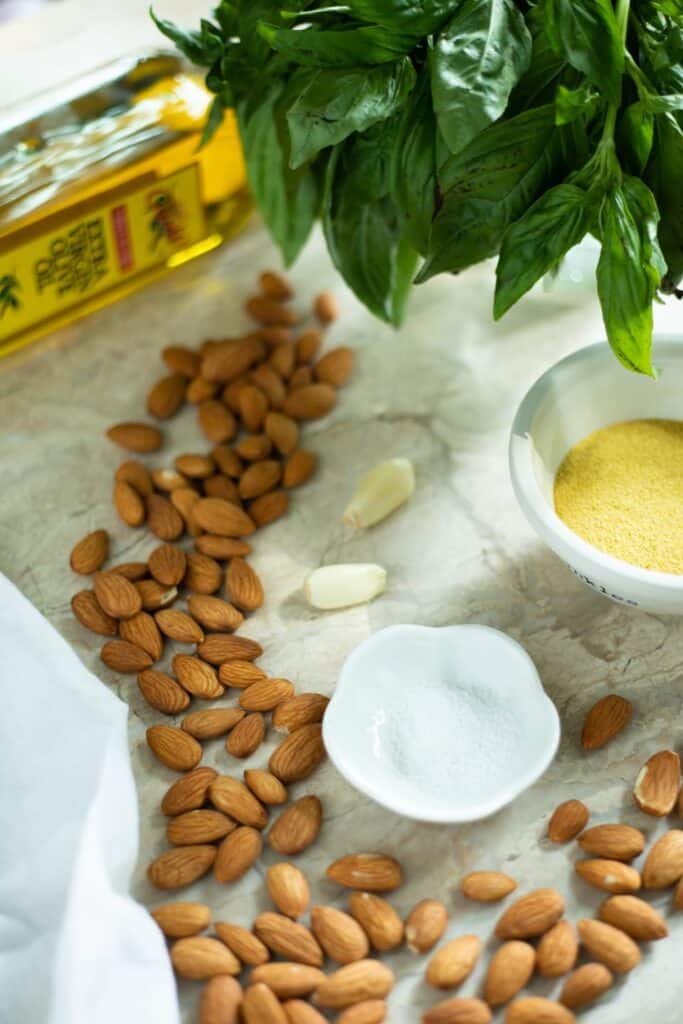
596	460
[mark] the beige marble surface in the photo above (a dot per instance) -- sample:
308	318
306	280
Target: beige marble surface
442	392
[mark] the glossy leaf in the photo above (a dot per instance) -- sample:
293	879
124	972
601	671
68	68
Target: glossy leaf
586	33
414	165
326	48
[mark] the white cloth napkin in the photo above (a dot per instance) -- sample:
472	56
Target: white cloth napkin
74	947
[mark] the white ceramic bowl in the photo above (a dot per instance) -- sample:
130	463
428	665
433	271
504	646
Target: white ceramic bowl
443	724
582	393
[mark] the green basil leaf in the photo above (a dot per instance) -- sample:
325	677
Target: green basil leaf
414	165
538	84
333	104
664	174
213	120
420	16
533	245
202	48
586	33
226	16
328	48
477	59
571	104
635	134
655	104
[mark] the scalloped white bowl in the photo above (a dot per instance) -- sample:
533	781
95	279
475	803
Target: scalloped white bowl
441	724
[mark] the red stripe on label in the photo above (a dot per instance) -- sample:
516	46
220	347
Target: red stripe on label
124	247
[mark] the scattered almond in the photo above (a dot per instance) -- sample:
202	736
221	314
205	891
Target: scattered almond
269	311
132	571
487	886
87	610
585	985
200	957
247	736
213	613
355	983
570	818
288	980
265	786
298	755
265	694
299	467
537	1010
163	518
298	1011
243	585
664	863
240	674
243	943
378	919
557	951
133	472
220	517
136	437
254	447
609	875
302	709
374	872
612	947
458	1010
339	934
122	656
283	431
181	360
167	564
605	720
221	548
253	407
153	596
218	648
166	396
181	866
184	500
634	916
335	367
202	826
203	574
288	889
310	402
233	798
196	676
531	915
220	1000
180	920
211	722
129	505
169	480
288	939
297	827
658	783
614	842
173	747
237	853
195	466
189	792
274	285
216	422
260	1006
453	962
116	595
370	1011
326	307
426	924
178	626
509	971
142	630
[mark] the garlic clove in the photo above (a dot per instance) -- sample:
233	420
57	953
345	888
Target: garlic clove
339	586
380	492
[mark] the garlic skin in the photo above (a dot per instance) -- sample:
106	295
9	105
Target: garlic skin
380	492
340	586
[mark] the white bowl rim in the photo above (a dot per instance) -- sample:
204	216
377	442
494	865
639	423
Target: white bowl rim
354	774
528	493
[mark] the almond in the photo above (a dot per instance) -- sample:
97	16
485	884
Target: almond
184	500
299	467
536	1010
200	390
133	472
374	872
116	595
136	437
216	422
179	920
220	1000
615	842
270	383
163	518
195	466
153	596
220	486
90	553
557	951
612	947
487	886
604	720
189	792
307	344
122	656
658	783
233	798
378	919
181	360
341	937
635	917
304	709
453	962
288	939
243	586
237	853
221	548
227	461
300	1012
173	747
301	378
355	983
200	957
169	480
213	613
425	925
609	875
269	311
568	819
132	571
259	478
141	630
217	516
298	755
211	723
254	447
370	1011
167	564
531	915
310	402
288	980
240	674
288	889
87	610
459	1010
181	866
260	1006
274	285
203	574
326	307
247	736
253	407
335	367
179	626
202	826
229	360
196	677
297	827
265	786
509	971
283	431
166	396
269	507
585	985
243	943
265	694
664	863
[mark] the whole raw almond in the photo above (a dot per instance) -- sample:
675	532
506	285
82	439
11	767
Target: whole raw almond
153	596
326	307
265	786
288	889
658	783
634	916
116	595
227	460
612	947
277	337
182	360
196	676
568	819
162	692
220	517
298	755
212	722
229	360
453	962
132	571
254	447
213	613
270	383
179	920
90	553
133	472
221	548
274	285
178	626
240	674
609	875
195	466
260	1006
614	842
509	971
189	792
87	610
237	853
216	422
243	586
426	923
244	944
335	367
220	1001
247	736
129	505
173	747
586	984
259	478
253	407
288	980
304	709
373	872
265	694
169	480
664	862
167	564
142	630
269	311
218	648
233	798
369	1011
605	720
307	344
487	886
557	951
221	486
297	827
136	437
122	656
310	402
458	1010
203	574
378	919
298	1011
166	396
288	939
163	518
537	1010
200	957
339	934
181	866
355	983
301	378
269	507
202	826
531	915
299	467
184	500
283	431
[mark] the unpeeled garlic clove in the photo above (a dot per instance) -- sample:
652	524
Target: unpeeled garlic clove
339	586
380	492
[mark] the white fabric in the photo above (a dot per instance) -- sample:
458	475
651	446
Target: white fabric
74	947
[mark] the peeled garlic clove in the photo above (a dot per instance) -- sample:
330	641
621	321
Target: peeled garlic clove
381	491
339	586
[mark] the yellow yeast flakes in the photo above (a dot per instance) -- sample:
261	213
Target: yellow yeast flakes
621	489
